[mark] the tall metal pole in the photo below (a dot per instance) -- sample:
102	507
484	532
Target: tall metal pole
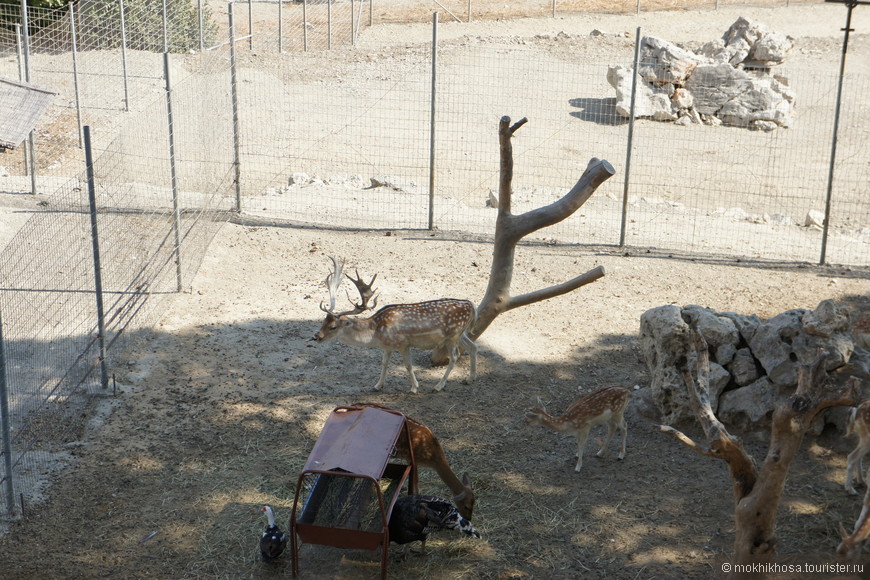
234	90
75	59
251	24
625	186
98	269
165	28
173	175
22	76
199	23
432	121
124	56
30	146
6	426
850	5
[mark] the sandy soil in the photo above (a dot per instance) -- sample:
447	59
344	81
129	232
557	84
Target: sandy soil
223	400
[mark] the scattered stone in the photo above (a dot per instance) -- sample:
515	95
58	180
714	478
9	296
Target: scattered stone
815	218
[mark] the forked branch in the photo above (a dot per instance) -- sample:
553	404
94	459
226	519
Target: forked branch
510	229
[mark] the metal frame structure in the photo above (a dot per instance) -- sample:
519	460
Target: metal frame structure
345	506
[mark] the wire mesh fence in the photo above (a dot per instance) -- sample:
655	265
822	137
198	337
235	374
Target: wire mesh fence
162	187
363	145
306	122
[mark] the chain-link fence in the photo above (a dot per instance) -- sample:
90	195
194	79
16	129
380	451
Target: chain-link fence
275	124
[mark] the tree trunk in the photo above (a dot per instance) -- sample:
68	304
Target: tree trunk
510	229
757	493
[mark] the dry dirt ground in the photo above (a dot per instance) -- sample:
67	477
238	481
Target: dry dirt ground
222	401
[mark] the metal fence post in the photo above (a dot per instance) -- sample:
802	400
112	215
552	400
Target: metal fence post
199	23
836	131
22	76
251	24
30	145
234	91
173	174
165	28
628	149
75	60
98	270
6	426
124	56
432	121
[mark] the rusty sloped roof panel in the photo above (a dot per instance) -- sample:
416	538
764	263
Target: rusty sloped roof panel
356	440
21	106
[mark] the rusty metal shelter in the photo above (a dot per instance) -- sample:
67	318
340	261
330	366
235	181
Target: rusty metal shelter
21	106
350	482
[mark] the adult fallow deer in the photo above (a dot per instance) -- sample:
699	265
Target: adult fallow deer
606	405
428	452
429	325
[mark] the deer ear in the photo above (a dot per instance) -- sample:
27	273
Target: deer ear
843	534
466	480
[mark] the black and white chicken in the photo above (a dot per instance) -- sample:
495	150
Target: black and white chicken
273	541
415	516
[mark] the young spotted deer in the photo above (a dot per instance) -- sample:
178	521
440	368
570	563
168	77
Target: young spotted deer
606	405
400	327
859	424
852	544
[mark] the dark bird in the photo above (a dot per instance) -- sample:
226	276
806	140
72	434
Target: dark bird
415	516
273	541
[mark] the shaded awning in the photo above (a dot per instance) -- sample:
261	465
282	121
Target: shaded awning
358	441
21	106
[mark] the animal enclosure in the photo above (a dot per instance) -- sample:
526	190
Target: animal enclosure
224	387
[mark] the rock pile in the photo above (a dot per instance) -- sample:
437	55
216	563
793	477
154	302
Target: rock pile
753	362
727	81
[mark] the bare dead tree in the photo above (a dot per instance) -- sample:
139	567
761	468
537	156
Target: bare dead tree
510	229
757	492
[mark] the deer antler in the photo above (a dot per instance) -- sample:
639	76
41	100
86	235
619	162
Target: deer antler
333	280
366	292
